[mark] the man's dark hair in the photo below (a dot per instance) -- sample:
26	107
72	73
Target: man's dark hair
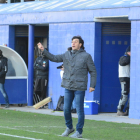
128	49
80	41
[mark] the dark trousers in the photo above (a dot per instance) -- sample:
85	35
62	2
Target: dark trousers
4	93
40	87
125	86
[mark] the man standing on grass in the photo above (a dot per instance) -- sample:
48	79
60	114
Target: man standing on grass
3	71
77	64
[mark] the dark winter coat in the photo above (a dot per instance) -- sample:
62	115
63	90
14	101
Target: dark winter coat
40	71
3	69
76	69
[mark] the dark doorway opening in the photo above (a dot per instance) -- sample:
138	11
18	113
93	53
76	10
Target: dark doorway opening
21	40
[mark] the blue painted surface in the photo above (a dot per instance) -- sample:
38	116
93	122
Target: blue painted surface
67	16
4	34
134	111
30	65
7	35
97	57
59	40
110	85
65	5
134	13
16	90
60	34
11	42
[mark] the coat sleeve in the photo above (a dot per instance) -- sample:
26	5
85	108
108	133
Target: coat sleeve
124	60
4	67
92	71
53	58
35	63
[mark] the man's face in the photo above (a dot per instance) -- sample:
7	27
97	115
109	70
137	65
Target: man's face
75	44
129	53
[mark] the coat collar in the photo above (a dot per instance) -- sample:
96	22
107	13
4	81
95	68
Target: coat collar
69	57
77	52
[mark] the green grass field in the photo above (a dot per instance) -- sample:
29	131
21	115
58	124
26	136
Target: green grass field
16	125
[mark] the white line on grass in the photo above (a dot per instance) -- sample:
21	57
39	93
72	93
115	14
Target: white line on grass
23	130
41	126
37	132
55	126
75	138
23	126
19	136
131	127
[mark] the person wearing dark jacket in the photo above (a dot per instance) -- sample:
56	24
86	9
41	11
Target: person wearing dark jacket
41	76
3	71
124	77
77	63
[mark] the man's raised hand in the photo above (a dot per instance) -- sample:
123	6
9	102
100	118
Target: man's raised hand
40	46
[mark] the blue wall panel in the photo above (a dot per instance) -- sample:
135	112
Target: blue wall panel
47	17
67	16
97	57
16	90
111	12
110	85
7	35
4	34
59	41
11	37
135	69
134	13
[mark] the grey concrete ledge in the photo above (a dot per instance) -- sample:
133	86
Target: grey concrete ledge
108	117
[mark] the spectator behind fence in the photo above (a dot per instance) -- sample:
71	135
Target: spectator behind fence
77	63
3	71
124	77
41	75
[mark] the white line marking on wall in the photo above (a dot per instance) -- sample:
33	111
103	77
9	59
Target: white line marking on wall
19	136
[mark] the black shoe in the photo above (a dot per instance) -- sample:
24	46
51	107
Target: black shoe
7	106
73	111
